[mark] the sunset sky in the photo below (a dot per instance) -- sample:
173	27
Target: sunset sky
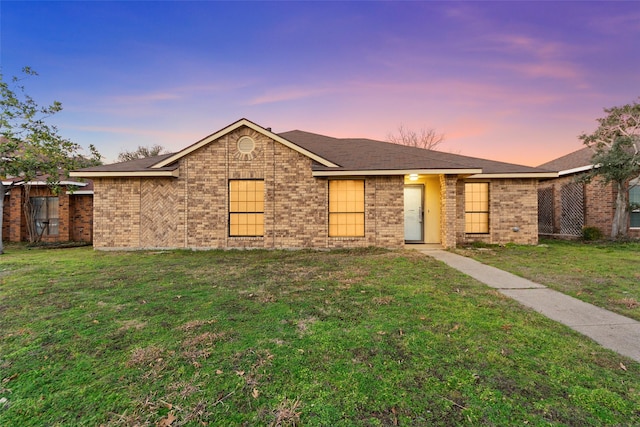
509	81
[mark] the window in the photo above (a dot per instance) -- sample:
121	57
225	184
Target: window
246	208
346	208
45	215
634	200
476	207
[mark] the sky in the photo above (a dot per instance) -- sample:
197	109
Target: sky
509	81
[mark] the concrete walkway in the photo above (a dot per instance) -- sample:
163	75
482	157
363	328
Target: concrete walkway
608	329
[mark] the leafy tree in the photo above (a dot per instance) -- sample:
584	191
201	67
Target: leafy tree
31	147
141	152
425	138
616	159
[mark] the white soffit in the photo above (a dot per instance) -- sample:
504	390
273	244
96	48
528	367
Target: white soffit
397	172
515	175
576	170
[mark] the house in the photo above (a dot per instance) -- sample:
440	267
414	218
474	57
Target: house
62	217
567	204
245	186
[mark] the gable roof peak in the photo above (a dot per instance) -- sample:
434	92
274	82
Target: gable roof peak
232	127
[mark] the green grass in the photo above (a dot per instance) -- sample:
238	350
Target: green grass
277	338
605	274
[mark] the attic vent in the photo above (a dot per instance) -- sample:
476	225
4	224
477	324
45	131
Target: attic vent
246	145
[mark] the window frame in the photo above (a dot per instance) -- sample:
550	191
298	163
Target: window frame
333	214
634	185
486	212
246	213
46	224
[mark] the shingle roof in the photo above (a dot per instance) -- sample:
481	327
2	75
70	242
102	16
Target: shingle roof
349	154
577	159
357	154
39	180
137	165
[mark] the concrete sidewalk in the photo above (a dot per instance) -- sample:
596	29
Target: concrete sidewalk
608	329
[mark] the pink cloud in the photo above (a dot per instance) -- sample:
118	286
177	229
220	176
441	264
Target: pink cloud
138	131
142	98
288	94
518	44
618	24
547	69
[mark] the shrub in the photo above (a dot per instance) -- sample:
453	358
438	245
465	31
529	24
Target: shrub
591	234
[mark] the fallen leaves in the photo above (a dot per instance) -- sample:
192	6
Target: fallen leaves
167	421
9	378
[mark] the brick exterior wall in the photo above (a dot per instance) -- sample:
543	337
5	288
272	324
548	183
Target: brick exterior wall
6	226
75	213
191	211
81	217
17	229
513	203
116	213
599	203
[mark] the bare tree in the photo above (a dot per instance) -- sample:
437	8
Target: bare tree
428	139
141	152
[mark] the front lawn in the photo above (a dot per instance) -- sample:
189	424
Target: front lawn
282	338
605	274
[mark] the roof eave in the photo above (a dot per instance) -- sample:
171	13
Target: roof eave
80	193
387	172
536	175
77	184
231	128
576	170
122	174
38	183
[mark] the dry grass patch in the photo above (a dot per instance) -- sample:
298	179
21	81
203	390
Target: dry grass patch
200	346
287	414
195	324
131	324
206	339
304	324
385	300
182	389
147	356
630	303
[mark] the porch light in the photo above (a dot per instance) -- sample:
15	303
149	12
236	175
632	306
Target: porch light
413	177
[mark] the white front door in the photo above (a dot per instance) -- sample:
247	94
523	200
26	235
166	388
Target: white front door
413	213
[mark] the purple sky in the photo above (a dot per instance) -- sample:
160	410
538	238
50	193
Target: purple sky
509	81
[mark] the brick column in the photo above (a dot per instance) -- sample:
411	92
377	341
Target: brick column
16	219
449	208
64	229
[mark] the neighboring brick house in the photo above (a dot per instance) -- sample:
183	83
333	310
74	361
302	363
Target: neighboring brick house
567	204
63	217
247	187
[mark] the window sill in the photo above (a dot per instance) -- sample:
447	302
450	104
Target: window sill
347	238
246	237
